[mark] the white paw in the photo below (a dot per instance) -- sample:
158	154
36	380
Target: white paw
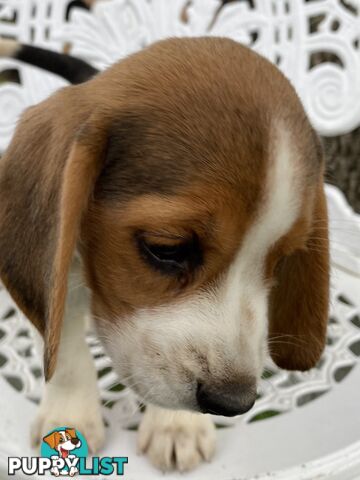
176	439
85	418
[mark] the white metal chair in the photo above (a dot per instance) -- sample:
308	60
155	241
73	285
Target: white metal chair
304	426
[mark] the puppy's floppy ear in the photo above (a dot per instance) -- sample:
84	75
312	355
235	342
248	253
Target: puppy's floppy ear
46	178
71	432
298	309
51	439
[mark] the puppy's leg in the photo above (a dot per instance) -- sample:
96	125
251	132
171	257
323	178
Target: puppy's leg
71	397
176	439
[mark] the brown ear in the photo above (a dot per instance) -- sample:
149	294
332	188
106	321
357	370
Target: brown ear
51	439
71	432
298	309
46	177
81	170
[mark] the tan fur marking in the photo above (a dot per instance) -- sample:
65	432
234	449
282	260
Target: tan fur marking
119	277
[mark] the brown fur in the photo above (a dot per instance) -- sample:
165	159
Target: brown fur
172	139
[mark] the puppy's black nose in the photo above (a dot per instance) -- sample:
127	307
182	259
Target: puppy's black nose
227	399
75	441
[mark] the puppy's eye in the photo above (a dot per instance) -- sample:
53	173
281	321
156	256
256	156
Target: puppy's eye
170	258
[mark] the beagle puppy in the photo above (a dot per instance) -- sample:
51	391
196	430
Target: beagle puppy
178	197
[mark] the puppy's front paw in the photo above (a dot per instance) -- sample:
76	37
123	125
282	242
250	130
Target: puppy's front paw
176	439
85	417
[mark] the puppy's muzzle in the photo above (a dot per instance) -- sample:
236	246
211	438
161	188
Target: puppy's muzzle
228	399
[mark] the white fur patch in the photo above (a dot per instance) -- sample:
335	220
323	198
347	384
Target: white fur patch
178	440
244	291
244	284
8	47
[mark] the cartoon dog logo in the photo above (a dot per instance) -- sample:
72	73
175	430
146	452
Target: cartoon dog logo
63	441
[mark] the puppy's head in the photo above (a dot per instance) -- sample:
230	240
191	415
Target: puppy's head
63	441
190	181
